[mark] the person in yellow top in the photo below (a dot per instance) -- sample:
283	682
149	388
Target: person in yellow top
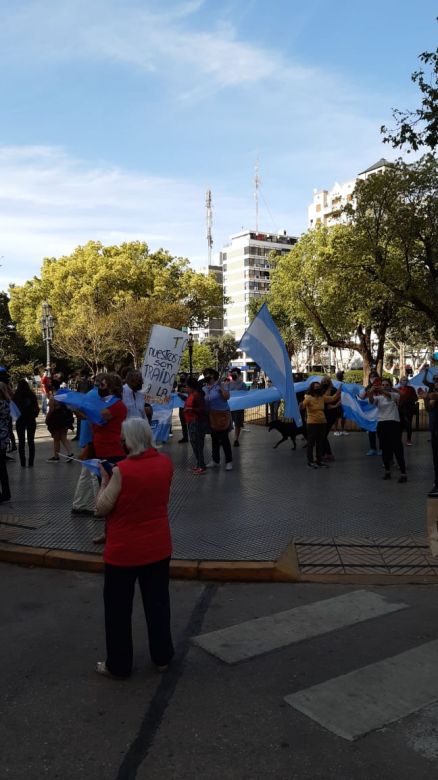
314	404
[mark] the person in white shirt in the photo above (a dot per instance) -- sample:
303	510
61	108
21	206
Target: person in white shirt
389	429
133	398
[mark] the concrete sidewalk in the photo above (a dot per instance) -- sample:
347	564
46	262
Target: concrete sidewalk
270	518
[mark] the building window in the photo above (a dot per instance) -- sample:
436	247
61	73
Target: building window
318	207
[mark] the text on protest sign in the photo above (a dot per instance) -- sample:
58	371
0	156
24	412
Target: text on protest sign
161	362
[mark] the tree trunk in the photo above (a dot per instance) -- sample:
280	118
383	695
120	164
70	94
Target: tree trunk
367	366
365	350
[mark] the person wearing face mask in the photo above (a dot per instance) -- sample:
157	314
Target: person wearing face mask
106	438
314	404
406	407
389	426
216	398
138	546
133	398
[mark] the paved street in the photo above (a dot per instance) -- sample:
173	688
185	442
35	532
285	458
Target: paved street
232	704
251	513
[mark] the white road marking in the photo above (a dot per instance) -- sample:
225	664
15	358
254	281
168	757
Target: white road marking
371	697
254	637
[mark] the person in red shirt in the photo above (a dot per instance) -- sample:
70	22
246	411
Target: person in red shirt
406	407
106	438
195	414
138	546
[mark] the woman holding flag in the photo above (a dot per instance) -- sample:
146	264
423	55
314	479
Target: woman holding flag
314	404
389	427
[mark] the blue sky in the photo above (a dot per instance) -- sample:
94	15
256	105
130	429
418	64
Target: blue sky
117	116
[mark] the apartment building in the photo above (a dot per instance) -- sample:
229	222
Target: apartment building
246	272
326	207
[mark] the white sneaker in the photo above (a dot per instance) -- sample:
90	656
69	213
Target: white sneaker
337	433
344	433
211	465
228	467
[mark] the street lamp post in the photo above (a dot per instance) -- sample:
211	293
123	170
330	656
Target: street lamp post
47	331
190	347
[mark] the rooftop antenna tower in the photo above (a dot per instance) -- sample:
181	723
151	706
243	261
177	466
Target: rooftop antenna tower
257	183
209	224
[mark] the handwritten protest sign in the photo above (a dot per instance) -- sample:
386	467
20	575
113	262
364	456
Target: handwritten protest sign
161	362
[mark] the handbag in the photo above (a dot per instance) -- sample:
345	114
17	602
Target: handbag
219	421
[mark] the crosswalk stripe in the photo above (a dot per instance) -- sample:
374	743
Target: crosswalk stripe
261	635
371	697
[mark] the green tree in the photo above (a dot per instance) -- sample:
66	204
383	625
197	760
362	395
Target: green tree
202	358
224	350
320	286
14	353
125	288
418	128
394	235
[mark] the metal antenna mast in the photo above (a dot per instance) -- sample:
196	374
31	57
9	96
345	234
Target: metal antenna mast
209	224
257	182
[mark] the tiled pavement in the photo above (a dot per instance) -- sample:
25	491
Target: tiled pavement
343	520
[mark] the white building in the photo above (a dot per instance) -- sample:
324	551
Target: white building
215	327
246	272
326	206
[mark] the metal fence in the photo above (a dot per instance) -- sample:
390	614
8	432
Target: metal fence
262	415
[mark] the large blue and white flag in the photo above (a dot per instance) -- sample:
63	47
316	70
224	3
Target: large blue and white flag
360	411
418	380
263	342
89	404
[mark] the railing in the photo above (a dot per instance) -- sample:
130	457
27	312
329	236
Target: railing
262	415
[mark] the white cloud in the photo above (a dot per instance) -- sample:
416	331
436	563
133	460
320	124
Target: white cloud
51	202
158	41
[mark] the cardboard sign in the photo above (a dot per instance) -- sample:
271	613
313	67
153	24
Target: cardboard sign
161	362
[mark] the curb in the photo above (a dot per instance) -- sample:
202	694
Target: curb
285	569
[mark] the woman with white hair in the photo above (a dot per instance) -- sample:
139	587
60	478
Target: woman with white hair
138	546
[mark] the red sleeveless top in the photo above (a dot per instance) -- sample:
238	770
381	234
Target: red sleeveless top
137	529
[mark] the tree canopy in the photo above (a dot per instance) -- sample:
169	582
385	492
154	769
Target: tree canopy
394	234
105	299
418	128
319	286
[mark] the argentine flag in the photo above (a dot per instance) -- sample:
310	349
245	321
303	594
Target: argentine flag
359	410
263	342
